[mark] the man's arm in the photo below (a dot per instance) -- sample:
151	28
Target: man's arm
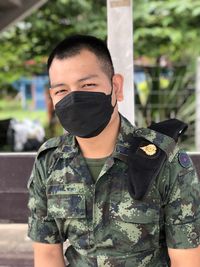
48	255
43	229
185	257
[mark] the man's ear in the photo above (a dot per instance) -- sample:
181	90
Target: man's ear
50	92
118	82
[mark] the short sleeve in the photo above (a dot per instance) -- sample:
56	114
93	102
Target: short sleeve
41	228
182	207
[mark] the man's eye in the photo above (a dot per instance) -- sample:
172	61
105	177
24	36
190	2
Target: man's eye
89	85
61	91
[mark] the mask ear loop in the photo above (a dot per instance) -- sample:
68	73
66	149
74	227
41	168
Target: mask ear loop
111	98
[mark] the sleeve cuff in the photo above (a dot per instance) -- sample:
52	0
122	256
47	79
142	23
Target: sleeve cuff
183	235
43	231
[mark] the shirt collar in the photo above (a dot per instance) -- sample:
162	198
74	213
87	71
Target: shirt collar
125	136
69	147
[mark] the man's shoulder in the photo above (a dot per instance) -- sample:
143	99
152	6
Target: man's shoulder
165	135
56	143
182	163
160	140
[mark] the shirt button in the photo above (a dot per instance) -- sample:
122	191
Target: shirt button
193	235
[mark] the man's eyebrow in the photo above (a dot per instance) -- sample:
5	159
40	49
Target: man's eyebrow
88	77
52	86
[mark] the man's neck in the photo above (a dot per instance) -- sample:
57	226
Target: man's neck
102	145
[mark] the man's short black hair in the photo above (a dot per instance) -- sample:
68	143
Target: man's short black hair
73	45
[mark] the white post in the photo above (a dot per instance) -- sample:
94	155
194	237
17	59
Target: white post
120	44
197	124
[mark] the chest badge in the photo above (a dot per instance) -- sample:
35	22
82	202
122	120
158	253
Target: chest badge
150	150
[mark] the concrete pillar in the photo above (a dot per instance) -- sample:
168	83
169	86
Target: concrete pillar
120	43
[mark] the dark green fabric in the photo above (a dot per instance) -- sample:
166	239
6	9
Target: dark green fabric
95	166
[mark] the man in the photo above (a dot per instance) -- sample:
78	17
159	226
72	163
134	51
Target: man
82	187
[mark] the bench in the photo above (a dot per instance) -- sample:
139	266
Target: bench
15	169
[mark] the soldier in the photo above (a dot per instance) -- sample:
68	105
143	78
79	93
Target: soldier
122	196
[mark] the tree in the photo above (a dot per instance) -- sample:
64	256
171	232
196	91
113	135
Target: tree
25	47
160	28
168	93
167	27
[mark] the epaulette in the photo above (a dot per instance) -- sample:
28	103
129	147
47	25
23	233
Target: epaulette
150	148
50	144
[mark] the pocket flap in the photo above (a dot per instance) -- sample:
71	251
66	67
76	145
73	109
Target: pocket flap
65	189
66	200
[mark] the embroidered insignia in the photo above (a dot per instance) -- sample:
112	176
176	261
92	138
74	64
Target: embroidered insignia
184	160
150	150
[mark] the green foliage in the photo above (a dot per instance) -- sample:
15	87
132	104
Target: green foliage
12	109
25	47
160	28
169	94
167	27
170	28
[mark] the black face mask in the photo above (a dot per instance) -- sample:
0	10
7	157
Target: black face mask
85	114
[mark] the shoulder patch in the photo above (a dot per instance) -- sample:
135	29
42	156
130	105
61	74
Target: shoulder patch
184	159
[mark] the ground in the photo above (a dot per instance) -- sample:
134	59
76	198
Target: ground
15	246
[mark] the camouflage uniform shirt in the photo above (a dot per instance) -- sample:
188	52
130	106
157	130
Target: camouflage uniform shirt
105	226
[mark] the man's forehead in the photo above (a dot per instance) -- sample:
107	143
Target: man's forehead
84	63
81	79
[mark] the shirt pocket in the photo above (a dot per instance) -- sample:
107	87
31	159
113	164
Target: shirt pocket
66	201
135	225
